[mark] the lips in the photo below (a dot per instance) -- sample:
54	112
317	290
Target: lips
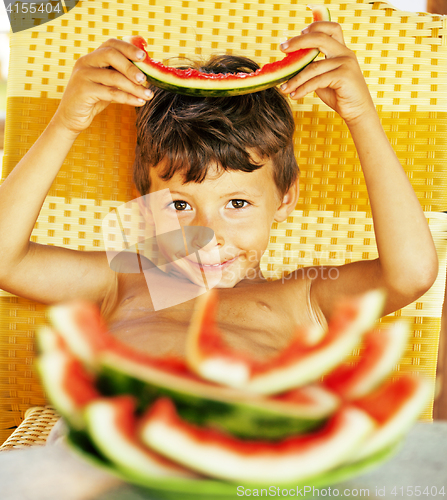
211	266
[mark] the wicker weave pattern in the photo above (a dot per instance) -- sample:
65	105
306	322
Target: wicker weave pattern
404	60
410	57
403	56
305	239
34	430
330	239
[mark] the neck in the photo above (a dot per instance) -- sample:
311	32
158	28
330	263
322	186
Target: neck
254	277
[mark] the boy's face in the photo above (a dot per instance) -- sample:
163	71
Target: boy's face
238	206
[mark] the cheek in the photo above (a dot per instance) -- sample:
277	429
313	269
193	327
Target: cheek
253	237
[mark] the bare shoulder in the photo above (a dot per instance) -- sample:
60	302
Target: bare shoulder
293	291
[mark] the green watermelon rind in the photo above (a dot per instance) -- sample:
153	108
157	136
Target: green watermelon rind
213	86
228	89
237	416
81	444
103	418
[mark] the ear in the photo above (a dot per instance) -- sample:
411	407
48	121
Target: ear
288	202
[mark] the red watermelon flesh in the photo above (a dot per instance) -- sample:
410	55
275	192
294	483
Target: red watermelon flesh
296	365
220	455
112	425
68	384
86	334
246	414
194	74
395	406
82	327
381	353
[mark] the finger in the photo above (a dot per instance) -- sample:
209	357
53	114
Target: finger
129	50
332	80
109	94
314	69
115	53
326	44
114	79
330	28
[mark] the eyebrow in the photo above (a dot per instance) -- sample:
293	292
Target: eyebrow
243	193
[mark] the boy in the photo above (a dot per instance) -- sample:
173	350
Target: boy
238	201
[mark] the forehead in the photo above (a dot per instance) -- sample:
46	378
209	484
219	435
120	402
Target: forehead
259	182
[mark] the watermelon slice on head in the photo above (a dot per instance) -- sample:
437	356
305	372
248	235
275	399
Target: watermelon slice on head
194	82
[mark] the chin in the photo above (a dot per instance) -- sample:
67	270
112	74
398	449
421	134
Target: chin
223	284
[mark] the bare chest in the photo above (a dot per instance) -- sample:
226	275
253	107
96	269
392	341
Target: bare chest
253	318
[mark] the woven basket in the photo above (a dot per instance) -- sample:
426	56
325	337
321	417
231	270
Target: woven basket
403	56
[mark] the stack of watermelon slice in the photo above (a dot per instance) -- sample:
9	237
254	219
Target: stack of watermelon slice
306	417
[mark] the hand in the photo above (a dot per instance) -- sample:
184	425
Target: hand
337	79
98	78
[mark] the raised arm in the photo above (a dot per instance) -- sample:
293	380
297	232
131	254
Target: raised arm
407	265
48	273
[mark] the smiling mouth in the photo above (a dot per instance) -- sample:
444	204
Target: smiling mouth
213	266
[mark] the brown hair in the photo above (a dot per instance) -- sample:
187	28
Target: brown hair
190	132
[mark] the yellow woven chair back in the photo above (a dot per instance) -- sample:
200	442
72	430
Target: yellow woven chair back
403	56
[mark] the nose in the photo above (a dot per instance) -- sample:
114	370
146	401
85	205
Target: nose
202	236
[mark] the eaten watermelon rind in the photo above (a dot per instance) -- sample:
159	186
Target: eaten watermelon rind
106	350
278	375
204	488
219	455
399	424
383	350
51	367
242	414
399	333
196	83
47	339
102	418
323	360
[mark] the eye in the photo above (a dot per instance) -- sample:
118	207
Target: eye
179	205
238	204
